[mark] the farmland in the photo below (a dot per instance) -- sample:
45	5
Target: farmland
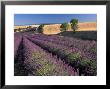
37	54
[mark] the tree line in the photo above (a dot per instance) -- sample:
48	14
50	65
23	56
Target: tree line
73	23
64	26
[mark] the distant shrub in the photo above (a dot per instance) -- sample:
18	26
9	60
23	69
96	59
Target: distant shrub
64	27
74	24
40	28
18	30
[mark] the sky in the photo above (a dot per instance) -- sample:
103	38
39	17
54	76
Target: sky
27	19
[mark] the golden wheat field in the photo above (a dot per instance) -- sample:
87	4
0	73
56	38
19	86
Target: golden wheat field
55	28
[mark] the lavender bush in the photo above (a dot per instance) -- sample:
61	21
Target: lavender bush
83	59
55	55
40	62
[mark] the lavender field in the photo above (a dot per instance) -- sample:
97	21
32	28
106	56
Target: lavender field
53	55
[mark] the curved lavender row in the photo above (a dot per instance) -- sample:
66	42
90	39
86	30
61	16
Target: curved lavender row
88	47
83	52
67	41
17	40
72	55
43	63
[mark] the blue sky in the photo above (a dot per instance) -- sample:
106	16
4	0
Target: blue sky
26	19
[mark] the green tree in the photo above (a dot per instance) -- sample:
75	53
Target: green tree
40	28
64	27
74	24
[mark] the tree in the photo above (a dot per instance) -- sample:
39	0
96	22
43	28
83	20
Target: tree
19	29
74	24
40	28
64	27
15	30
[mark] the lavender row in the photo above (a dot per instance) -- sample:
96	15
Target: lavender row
67	41
88	47
73	56
17	40
39	62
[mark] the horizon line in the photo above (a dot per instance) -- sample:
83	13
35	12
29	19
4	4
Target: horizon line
50	23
